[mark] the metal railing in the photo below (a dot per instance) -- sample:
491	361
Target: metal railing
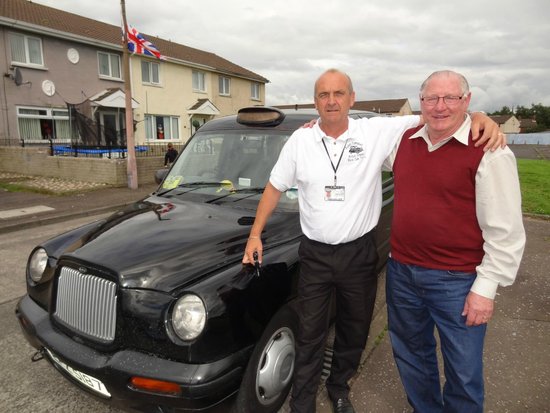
87	151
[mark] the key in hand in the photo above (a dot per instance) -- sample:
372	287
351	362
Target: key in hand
256	263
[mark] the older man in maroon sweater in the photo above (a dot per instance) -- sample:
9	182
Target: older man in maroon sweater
457	235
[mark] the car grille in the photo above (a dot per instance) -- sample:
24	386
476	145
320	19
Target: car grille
87	304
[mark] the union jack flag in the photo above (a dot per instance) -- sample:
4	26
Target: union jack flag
139	44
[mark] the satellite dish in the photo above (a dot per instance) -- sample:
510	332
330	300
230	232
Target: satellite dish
17	76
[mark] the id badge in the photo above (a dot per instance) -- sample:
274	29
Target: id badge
335	193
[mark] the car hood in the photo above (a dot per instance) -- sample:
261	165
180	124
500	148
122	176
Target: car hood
160	245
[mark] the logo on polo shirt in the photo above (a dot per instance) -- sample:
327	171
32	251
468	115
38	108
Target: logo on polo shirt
355	151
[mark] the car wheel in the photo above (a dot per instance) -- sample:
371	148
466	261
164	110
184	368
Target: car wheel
268	376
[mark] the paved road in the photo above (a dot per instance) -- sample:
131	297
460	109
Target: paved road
531	151
31	387
516	361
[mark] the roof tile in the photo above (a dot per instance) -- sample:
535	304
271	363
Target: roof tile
62	21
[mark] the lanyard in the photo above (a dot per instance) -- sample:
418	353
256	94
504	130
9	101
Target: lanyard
331	164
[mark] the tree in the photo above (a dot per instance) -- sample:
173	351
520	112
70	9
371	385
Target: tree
523	113
504	111
542	115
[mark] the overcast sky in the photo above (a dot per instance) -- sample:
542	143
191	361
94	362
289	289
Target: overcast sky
387	47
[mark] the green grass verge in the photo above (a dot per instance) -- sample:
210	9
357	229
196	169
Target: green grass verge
21	187
13	187
534	178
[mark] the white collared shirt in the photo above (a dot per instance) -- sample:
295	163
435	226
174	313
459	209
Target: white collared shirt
498	210
304	163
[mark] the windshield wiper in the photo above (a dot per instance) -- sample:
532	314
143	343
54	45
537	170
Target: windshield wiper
252	190
193	185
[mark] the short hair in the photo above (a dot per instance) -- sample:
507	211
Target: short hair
335	71
463	82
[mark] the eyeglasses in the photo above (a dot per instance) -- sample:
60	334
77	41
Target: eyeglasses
448	100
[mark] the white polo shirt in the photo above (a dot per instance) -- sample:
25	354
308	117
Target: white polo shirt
305	164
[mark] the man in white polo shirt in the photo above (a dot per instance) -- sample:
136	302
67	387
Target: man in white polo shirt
336	167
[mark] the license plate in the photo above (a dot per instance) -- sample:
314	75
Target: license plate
90	382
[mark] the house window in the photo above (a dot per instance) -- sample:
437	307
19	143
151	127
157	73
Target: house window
150	72
255	91
26	50
38	124
159	127
225	86
109	65
199	84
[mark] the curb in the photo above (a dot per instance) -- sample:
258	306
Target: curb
537	216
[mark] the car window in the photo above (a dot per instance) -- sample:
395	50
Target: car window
234	161
244	159
200	159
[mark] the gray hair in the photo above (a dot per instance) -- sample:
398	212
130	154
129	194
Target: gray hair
463	82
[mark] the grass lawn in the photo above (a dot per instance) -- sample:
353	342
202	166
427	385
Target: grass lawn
534	178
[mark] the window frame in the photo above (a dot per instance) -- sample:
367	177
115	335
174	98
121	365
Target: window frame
25	38
255	92
52	115
150	72
224	86
110	56
198	77
171	134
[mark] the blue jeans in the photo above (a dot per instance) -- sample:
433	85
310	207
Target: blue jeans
418	299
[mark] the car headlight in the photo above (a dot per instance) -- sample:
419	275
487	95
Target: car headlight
37	264
188	317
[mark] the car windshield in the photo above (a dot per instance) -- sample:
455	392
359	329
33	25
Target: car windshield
232	163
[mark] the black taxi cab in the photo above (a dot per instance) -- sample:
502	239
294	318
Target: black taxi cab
151	308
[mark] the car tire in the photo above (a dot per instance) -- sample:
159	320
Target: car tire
268	376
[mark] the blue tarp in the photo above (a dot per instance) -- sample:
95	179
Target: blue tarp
60	150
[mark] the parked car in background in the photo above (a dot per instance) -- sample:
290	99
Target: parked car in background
151	309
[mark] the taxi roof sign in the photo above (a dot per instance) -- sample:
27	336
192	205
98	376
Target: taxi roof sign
260	115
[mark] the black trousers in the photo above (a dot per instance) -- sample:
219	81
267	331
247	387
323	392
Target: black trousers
348	270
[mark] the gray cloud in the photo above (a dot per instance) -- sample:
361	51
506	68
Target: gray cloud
388	49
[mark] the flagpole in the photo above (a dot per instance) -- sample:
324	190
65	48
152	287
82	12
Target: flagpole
131	170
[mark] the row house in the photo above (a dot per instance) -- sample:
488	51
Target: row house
507	123
527	124
63	81
388	107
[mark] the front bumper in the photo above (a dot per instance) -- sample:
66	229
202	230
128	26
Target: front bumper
202	385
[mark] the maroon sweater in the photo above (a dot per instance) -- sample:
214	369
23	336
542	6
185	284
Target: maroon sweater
434	217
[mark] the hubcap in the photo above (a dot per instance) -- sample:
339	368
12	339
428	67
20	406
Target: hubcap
276	365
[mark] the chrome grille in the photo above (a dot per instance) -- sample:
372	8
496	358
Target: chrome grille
87	304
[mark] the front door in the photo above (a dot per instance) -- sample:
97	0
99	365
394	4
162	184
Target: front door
110	129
